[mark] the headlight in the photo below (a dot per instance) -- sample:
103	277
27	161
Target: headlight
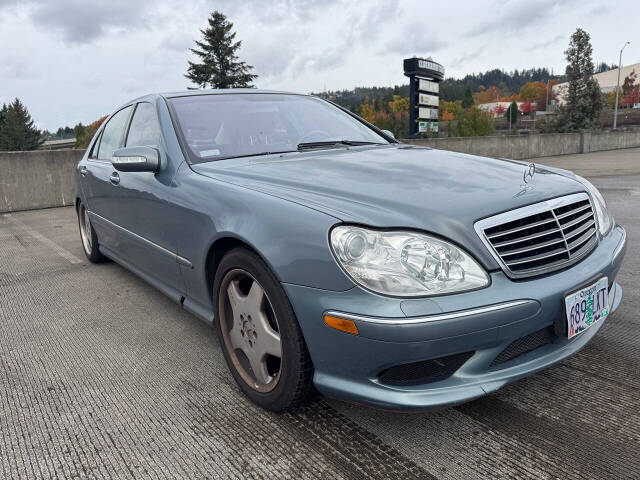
605	221
404	264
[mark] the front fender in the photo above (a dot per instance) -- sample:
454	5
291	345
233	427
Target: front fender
291	238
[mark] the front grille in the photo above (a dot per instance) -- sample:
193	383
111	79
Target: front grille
427	371
542	237
524	345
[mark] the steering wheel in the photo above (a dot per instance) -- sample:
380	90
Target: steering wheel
314	133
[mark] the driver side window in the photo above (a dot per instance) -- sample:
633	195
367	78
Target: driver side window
113	134
144	130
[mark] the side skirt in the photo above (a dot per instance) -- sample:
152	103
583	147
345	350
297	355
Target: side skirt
203	313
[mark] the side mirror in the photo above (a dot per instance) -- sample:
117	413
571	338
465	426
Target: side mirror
136	159
389	133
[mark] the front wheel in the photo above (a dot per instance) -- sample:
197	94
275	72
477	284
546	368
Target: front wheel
88	236
259	333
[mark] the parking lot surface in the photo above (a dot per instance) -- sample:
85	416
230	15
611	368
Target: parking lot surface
101	376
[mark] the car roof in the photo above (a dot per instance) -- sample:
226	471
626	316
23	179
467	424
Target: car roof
222	91
225	91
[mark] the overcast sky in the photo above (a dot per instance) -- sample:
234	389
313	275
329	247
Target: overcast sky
75	60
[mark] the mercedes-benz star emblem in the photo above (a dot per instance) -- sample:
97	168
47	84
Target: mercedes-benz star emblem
528	174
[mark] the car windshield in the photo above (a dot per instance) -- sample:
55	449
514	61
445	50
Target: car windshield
219	126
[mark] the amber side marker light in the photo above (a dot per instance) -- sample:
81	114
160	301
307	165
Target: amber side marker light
341	324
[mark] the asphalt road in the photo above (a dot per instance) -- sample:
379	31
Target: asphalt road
101	376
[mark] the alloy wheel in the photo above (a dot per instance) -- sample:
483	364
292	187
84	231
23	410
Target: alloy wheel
250	330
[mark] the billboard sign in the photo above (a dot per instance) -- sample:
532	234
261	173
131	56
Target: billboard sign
427	113
428	86
428	100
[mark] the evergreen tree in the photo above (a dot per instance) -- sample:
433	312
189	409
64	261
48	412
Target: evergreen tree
3	120
467	100
220	67
512	114
584	98
17	131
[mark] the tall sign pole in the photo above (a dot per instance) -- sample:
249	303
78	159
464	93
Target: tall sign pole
425	76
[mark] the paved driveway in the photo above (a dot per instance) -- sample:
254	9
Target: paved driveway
101	376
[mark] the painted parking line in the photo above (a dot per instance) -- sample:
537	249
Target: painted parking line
44	240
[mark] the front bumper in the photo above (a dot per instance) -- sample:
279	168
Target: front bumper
396	331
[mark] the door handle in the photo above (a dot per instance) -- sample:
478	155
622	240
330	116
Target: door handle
84	171
114	178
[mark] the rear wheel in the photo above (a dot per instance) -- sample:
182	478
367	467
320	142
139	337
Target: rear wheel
88	236
259	333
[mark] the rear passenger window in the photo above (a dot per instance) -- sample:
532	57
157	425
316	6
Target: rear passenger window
113	134
144	129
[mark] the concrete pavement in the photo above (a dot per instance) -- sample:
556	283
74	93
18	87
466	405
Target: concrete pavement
101	376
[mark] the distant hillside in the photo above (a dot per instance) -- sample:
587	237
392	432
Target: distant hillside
451	88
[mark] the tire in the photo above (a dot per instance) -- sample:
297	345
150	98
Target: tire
283	383
88	237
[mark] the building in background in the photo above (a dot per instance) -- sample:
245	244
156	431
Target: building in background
606	80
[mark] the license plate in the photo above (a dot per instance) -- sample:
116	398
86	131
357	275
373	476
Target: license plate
587	306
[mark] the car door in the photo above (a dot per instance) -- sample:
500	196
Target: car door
144	208
97	181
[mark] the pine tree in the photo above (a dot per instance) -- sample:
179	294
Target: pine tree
467	100
512	114
17	131
584	98
220	67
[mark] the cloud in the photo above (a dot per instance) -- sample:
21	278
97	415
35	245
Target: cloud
518	16
81	21
414	39
545	43
466	58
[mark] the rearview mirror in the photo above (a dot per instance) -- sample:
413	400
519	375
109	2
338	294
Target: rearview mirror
389	133
136	159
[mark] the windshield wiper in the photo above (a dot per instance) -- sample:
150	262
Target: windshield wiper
252	155
334	144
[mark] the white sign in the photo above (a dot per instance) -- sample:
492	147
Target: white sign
422	127
428	100
428	113
428	86
428	65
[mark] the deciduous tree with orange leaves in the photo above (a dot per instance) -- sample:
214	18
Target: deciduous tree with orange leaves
491	94
84	133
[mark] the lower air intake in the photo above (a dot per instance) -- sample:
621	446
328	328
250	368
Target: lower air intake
524	345
427	371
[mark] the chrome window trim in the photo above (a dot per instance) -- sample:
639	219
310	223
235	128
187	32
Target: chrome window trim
178	258
428	318
545	206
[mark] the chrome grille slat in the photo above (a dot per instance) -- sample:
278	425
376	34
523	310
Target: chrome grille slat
572	212
581	239
542	237
579	230
534	258
526	249
577	220
529	237
514	230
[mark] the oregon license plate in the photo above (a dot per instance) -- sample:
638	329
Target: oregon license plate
587	306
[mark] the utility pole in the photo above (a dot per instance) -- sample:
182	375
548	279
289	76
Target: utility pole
546	102
615	113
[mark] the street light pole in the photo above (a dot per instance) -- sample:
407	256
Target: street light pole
546	102
615	113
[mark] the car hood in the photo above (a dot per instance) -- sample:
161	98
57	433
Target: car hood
404	186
